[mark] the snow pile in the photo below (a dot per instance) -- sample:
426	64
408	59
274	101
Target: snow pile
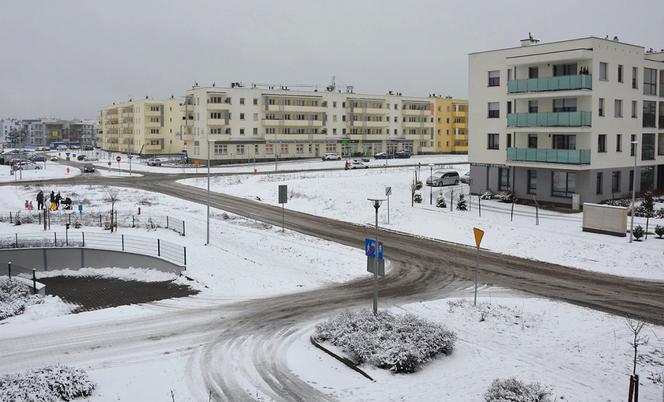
400	343
51	383
124	274
513	390
485	311
15	297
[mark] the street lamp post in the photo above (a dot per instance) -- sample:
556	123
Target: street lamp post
631	225
376	204
431	186
208	193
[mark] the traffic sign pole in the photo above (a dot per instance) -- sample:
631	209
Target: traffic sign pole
479	233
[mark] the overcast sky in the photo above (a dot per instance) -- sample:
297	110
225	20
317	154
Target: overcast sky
68	58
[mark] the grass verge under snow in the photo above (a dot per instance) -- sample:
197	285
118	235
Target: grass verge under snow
401	343
47	384
15	297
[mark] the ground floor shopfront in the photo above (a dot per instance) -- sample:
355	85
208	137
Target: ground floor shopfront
558	186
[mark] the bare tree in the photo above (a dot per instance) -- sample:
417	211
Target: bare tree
112	197
636	327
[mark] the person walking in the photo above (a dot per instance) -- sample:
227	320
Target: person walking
30	206
40	200
58	198
52	197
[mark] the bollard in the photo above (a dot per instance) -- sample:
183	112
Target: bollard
185	257
133	223
183	230
158	248
512	211
452	201
122	242
166	221
479	205
83	238
55	239
16	239
99	220
9	269
10	218
34	282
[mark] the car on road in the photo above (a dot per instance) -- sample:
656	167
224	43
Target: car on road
357	164
25	165
62	147
383	155
443	178
88	168
465	178
402	155
88	148
330	156
154	162
54	158
38	158
80	157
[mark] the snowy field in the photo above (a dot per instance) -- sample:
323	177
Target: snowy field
140	165
580	354
558	237
52	171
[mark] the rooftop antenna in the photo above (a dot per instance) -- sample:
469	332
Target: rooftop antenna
530	36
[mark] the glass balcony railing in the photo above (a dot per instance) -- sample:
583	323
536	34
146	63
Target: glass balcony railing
550	119
561	83
565	156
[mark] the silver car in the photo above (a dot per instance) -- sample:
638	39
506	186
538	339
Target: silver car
443	178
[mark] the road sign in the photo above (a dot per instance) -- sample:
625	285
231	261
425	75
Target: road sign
479	233
379	264
130	157
344	141
109	163
118	158
388	191
283	194
370	248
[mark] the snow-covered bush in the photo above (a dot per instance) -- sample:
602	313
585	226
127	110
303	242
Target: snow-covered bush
487	196
400	343
461	203
659	231
440	202
14	298
47	384
638	232
513	390
507	196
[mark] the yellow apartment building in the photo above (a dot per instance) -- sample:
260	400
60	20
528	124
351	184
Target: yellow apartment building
451	120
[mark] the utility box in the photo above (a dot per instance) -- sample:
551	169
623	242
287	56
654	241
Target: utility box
605	219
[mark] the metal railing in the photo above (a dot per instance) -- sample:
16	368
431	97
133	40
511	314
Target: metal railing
560	83
566	156
172	252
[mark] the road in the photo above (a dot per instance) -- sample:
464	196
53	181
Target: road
246	342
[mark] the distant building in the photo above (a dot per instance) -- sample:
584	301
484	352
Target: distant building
555	121
451	130
7	126
146	127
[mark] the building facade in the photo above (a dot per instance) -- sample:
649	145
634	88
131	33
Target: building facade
7	126
556	121
145	127
255	123
451	118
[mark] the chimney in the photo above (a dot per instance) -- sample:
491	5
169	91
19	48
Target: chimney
529	41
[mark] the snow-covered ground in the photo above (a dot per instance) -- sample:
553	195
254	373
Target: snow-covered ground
558	238
581	354
53	170
140	165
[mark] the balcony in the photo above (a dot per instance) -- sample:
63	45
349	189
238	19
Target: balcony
563	156
416	112
550	119
561	83
292	123
295	108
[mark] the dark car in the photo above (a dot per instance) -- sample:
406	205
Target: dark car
88	168
80	157
402	155
38	158
383	155
88	148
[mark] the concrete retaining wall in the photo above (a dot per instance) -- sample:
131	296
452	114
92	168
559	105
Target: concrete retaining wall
605	219
44	259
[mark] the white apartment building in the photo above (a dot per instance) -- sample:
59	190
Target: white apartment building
555	121
7	126
264	123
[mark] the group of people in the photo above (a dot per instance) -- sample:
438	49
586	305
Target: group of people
56	200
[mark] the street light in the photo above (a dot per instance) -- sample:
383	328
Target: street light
376	204
431	185
631	225
207	242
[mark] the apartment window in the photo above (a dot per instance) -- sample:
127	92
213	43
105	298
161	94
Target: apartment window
330	147
632	148
241	116
228	130
494	78
255	116
503	179
533	106
532	140
618	142
215	130
603	71
241	101
563	184
648	147
635	77
241	131
494	110
601	143
270	130
154	131
660	144
617	108
649	113
599	183
564	69
239	149
615	181
601	107
215	115
220	149
299	148
564	105
532	181
509	140
283	149
620	73
334	131
256	149
269	149
631	180
255	130
634	107
255	101
649	81
647	174
533	72
493	141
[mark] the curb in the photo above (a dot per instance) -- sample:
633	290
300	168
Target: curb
342	359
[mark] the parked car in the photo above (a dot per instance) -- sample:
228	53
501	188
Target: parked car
465	178
330	156
62	147
88	168
80	157
54	158
89	148
24	165
92	159
357	164
154	162
38	158
383	155
443	178
402	155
